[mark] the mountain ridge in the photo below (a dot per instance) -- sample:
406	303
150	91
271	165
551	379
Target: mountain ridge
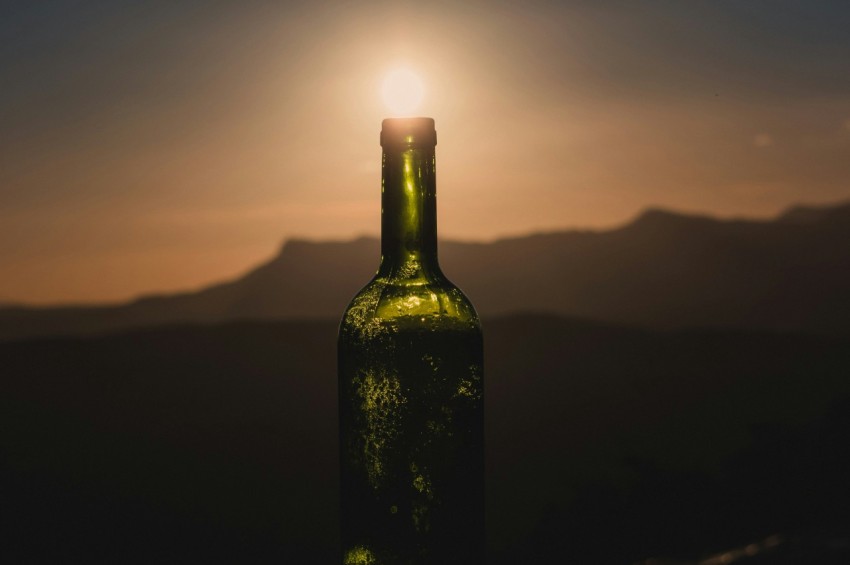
663	269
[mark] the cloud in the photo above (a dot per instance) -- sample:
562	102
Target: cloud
763	140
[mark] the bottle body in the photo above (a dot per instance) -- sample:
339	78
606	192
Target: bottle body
411	394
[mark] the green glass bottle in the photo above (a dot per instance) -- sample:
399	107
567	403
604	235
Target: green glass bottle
411	385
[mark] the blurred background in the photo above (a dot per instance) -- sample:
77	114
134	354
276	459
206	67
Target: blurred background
648	203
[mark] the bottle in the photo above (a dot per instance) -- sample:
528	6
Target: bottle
411	384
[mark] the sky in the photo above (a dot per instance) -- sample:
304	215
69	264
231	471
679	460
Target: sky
161	146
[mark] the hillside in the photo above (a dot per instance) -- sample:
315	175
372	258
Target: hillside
217	444
663	270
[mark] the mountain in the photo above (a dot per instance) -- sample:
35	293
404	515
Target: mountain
816	214
605	445
662	270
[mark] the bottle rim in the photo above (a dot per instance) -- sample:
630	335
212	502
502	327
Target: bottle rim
411	132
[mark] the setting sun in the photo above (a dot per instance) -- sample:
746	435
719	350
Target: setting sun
402	91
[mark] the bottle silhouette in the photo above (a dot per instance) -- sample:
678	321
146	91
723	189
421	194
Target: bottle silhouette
411	385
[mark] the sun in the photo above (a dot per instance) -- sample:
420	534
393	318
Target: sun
402	91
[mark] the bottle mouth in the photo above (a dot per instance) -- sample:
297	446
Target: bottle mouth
408	132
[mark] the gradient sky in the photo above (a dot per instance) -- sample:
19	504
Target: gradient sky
157	146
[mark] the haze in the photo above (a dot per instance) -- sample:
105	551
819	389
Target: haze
151	147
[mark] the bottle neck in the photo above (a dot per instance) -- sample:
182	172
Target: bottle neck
408	213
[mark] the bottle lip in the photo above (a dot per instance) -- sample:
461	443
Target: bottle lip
408	132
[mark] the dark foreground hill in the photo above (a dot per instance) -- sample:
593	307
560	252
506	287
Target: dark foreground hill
217	444
664	270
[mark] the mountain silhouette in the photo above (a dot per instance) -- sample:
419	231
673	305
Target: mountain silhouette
662	270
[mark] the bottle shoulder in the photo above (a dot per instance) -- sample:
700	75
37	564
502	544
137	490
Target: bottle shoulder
417	305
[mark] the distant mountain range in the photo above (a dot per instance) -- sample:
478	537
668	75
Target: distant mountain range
662	270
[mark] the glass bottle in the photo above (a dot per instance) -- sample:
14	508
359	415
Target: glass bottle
411	384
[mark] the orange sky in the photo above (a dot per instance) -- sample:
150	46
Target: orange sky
157	148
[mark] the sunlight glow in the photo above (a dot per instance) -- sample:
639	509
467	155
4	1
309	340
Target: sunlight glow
402	91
